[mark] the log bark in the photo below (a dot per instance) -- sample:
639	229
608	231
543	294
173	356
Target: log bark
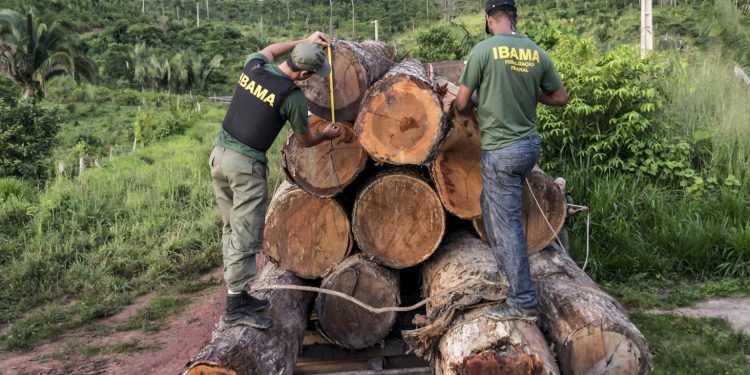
244	350
536	221
356	66
398	218
590	330
461	275
347	324
456	170
326	169
305	234
401	120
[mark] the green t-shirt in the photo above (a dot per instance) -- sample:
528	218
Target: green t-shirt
293	109
508	70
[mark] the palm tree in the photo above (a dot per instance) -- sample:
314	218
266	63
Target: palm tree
31	52
138	55
199	70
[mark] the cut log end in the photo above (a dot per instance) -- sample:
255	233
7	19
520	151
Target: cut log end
509	347
503	361
208	369
398	219
598	351
347	324
590	330
402	123
305	234
457	170
326	169
355	67
537	222
241	350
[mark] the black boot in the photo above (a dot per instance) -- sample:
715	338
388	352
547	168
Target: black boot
256	304
239	312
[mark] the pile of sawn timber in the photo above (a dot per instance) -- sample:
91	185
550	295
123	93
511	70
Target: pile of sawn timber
396	191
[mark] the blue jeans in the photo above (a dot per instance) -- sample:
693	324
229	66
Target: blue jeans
503	174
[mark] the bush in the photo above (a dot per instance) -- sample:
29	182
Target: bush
612	121
437	44
15	210
149	127
27	133
8	91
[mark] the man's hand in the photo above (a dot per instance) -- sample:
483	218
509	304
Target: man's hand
572	210
463	102
557	98
282	48
311	138
330	132
319	38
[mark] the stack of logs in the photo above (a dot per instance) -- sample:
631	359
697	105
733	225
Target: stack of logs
357	210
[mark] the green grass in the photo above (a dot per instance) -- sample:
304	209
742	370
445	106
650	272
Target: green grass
82	248
639	229
681	345
76	350
87	245
153	317
712	107
646	292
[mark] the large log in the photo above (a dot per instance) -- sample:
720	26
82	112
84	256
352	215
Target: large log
401	120
456	170
590	330
326	169
305	234
543	209
398	218
356	66
347	324
243	350
461	275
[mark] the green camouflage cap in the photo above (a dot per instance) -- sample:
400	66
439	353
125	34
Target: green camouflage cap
310	57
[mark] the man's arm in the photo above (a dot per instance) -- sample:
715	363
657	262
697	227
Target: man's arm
275	50
558	97
310	138
463	101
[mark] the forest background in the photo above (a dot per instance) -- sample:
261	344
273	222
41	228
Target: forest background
658	147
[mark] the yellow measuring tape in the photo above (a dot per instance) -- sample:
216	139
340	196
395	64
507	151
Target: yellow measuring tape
330	82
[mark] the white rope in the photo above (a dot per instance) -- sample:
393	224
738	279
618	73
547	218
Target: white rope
462	289
543	215
588	225
376	310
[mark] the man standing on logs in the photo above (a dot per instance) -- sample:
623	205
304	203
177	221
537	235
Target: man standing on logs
264	99
512	74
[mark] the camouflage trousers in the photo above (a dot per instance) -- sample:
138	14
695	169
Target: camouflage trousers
239	183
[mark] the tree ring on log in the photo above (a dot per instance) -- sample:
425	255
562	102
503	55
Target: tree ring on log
596	349
535	222
210	369
497	347
457	171
398	219
306	234
326	169
355	67
347	324
401	120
